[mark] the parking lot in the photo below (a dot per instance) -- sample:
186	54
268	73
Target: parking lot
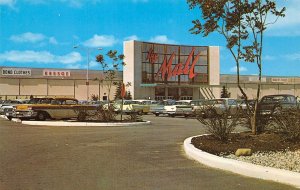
138	157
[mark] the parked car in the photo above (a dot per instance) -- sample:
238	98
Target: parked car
159	108
242	105
127	106
58	108
179	108
197	105
217	106
274	103
144	106
8	106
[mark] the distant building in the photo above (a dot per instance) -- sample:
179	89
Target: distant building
24	82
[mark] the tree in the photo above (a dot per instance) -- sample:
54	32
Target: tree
118	91
110	70
242	23
95	97
225	93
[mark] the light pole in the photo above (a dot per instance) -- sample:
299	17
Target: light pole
88	52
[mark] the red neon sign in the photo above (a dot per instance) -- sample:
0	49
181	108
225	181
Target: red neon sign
166	67
152	57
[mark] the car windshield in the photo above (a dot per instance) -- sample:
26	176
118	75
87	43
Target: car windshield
282	99
15	102
181	103
146	102
40	101
214	102
126	102
197	103
33	101
232	102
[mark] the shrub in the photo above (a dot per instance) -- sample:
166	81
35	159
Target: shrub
219	123
105	113
287	121
134	117
102	113
95	97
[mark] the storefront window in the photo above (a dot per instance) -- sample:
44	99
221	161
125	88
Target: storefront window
167	64
159	93
173	93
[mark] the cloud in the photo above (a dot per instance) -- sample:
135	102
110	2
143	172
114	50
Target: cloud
234	69
9	3
73	66
36	2
133	37
101	41
94	64
162	39
70	58
293	57
46	57
29	37
269	58
52	40
71	3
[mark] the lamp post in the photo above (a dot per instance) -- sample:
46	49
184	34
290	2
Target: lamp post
88	52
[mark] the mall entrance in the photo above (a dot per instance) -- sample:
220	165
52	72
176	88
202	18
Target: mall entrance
174	93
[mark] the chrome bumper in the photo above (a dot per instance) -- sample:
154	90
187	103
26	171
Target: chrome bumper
24	114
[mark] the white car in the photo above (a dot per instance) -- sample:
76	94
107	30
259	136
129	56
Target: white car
179	108
8	106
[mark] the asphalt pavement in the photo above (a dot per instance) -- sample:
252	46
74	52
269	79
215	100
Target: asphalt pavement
149	157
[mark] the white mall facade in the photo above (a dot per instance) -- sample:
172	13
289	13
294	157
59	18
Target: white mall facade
164	71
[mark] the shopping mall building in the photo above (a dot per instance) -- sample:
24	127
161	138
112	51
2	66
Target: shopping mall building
155	71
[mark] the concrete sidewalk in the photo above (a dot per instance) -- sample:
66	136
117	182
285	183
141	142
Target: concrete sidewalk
243	168
82	124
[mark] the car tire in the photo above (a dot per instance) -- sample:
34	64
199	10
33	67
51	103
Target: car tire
41	116
156	114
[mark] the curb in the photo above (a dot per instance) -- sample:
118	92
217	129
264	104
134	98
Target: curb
82	124
242	168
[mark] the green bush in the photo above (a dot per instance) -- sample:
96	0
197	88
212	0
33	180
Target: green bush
134	117
105	113
218	123
287	121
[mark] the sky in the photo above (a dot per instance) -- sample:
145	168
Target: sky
43	33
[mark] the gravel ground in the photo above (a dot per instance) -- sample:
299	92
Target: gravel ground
288	160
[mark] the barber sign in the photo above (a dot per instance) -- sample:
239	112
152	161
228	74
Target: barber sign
16	71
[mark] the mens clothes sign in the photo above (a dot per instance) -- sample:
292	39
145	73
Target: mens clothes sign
56	73
16	71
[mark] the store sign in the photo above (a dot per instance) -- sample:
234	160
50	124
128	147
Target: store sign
152	57
56	73
166	68
16	71
280	80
